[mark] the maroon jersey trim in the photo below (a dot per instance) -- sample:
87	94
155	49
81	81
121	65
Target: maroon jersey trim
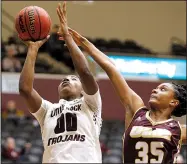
179	144
180	141
155	122
181	132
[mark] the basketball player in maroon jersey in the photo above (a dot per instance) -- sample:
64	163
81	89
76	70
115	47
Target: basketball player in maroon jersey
151	136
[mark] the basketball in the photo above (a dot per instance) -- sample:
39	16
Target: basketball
33	23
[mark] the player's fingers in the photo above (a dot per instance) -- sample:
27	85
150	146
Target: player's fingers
60	10
57	10
72	31
64	9
44	40
48	36
59	33
59	15
41	42
76	40
76	34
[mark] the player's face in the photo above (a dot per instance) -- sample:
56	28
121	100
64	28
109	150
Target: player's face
70	86
163	97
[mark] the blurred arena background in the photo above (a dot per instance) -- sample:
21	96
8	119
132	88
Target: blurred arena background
146	41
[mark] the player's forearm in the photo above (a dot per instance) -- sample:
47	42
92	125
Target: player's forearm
27	74
103	60
123	90
81	65
78	58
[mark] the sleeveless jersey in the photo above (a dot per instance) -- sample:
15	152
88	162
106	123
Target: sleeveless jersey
70	130
146	141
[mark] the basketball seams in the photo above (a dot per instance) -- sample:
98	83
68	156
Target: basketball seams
50	23
17	26
34	23
17	23
26	24
39	22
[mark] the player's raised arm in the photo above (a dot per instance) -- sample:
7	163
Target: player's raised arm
128	97
80	63
32	98
184	139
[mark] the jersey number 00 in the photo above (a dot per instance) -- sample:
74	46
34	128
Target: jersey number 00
67	121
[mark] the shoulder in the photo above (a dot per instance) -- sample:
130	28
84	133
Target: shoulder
47	104
176	124
141	111
95	95
183	133
174	127
180	127
93	101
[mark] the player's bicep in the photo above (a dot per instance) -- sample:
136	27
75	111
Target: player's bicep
33	100
129	99
136	102
93	101
42	111
89	84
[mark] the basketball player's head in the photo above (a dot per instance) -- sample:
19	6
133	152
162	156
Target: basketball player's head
169	96
70	88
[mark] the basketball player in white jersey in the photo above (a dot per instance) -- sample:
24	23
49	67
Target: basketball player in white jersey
70	128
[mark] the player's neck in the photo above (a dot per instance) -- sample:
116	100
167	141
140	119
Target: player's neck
69	98
159	115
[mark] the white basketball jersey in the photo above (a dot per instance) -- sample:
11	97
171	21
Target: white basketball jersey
70	130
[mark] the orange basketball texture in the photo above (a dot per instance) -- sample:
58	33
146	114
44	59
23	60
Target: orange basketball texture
33	23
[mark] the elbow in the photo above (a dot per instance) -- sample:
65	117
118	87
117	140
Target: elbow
24	90
85	72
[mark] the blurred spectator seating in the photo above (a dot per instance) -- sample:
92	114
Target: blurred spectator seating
12	153
9	62
54	57
56	48
28	131
114	45
11	113
45	63
3	51
180	159
14	54
178	47
101	44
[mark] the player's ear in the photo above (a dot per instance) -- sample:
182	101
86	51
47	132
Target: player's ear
174	103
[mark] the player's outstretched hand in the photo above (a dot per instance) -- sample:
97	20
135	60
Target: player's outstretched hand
61	12
79	39
36	44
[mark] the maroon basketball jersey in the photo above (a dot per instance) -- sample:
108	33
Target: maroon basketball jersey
146	141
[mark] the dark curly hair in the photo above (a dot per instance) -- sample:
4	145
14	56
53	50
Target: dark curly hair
180	94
